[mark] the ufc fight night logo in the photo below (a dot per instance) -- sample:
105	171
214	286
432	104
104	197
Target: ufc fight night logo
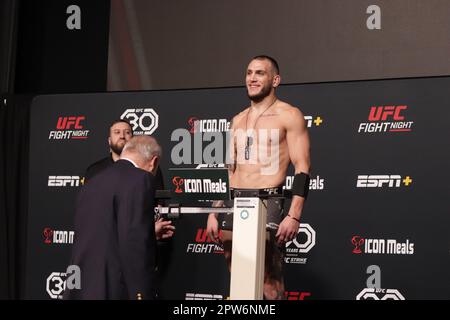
70	127
143	121
383	181
296	295
386	119
203	244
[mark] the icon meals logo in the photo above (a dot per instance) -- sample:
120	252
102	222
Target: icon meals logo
381	246
178	182
69	128
315	183
208	125
380	181
198	185
386	119
58	236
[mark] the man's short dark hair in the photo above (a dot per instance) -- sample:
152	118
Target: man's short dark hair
272	61
119	121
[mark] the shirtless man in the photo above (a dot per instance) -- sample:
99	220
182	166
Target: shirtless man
262	163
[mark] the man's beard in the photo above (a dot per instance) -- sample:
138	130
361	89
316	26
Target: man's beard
265	91
117	149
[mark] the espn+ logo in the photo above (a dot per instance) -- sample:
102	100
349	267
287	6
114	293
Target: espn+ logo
380	181
317	121
65	181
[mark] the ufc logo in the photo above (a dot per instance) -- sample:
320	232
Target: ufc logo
374	181
383	113
67	123
295	295
202	236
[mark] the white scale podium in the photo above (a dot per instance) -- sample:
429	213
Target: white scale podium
249	237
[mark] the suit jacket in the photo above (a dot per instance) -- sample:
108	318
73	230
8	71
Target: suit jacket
104	163
115	244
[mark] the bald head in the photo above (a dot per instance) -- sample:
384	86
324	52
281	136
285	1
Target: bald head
144	151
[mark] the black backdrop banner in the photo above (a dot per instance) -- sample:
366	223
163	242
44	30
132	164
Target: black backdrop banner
375	225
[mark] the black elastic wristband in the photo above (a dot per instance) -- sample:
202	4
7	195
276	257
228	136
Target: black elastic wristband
298	220
300	186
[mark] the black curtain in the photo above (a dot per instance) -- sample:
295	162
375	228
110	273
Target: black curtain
38	54
14	145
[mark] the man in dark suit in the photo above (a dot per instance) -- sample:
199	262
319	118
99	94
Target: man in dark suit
115	243
120	132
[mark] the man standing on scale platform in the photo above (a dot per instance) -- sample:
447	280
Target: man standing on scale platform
266	137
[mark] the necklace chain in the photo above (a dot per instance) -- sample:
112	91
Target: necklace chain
246	118
249	140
